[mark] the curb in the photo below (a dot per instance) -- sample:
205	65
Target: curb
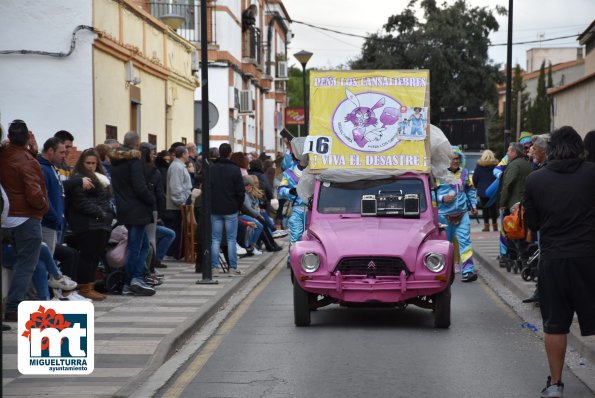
575	340
183	332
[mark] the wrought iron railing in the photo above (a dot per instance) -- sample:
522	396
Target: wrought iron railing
188	9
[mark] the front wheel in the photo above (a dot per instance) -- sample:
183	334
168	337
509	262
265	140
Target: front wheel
442	309
301	305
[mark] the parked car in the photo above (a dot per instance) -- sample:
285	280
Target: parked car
373	243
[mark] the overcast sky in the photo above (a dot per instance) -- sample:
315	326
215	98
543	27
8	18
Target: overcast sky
532	19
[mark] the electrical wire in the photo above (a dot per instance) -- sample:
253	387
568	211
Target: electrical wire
54	54
390	38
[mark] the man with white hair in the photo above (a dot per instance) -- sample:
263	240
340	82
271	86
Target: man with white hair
178	190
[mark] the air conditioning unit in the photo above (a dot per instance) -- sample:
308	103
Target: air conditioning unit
130	77
195	64
282	69
246	103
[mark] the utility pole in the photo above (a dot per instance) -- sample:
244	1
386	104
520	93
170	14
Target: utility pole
207	272
518	114
507	119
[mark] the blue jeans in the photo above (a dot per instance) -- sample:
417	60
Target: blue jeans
164	237
138	250
40	274
269	222
230	222
27	244
257	231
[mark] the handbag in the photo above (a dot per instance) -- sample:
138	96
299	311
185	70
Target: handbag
116	256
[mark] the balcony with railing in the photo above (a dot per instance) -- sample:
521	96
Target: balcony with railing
187	9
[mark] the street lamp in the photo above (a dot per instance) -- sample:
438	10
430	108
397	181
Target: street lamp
303	57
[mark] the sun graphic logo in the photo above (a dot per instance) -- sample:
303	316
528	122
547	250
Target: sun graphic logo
56	337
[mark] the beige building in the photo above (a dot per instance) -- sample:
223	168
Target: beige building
125	70
142	76
247	60
574	104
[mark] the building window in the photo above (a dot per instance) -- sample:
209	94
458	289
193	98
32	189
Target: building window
153	139
184	140
111	132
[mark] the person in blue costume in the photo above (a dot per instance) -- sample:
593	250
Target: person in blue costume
454	201
288	191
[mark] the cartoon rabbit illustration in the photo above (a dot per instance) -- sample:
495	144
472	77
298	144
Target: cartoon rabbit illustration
362	117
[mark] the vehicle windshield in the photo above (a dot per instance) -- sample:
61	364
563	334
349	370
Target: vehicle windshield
346	197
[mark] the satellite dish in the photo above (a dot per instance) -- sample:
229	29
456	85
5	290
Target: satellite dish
213	115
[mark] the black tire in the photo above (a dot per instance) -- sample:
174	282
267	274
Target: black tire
301	305
442	309
115	282
526	274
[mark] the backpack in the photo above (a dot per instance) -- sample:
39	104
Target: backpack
514	223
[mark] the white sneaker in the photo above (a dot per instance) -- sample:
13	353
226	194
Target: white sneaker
75	296
256	252
279	233
64	283
240	251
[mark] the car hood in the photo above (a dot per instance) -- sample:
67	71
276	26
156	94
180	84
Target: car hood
371	236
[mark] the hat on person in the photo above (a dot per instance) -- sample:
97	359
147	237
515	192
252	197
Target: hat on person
147	145
525	137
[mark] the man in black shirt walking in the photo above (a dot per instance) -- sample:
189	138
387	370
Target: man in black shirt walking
559	201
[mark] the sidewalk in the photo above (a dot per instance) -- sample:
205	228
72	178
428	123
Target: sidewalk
134	336
486	250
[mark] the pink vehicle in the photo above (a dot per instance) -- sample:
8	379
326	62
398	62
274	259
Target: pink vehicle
373	242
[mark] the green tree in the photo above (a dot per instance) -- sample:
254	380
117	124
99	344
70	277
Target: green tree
452	42
295	93
540	110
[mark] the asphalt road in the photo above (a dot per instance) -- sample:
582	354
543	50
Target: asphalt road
258	352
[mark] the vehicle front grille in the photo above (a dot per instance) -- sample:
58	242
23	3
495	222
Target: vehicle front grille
372	266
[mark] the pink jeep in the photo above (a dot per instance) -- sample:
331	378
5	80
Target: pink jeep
373	242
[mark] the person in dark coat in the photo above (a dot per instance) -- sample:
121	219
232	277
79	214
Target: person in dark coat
162	163
589	142
558	201
483	177
90	217
134	205
227	198
160	236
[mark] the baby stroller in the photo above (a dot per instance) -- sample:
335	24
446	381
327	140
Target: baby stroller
519	250
531	269
113	261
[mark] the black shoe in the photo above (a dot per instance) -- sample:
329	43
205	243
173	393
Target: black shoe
159	264
11	317
5	327
533	299
469	276
275	249
502	262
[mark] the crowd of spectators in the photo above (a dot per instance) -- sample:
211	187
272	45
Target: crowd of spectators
57	219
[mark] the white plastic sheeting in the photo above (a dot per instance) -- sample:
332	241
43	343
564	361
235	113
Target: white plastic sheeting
440	155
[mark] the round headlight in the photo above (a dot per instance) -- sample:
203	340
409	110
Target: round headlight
310	262
434	262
